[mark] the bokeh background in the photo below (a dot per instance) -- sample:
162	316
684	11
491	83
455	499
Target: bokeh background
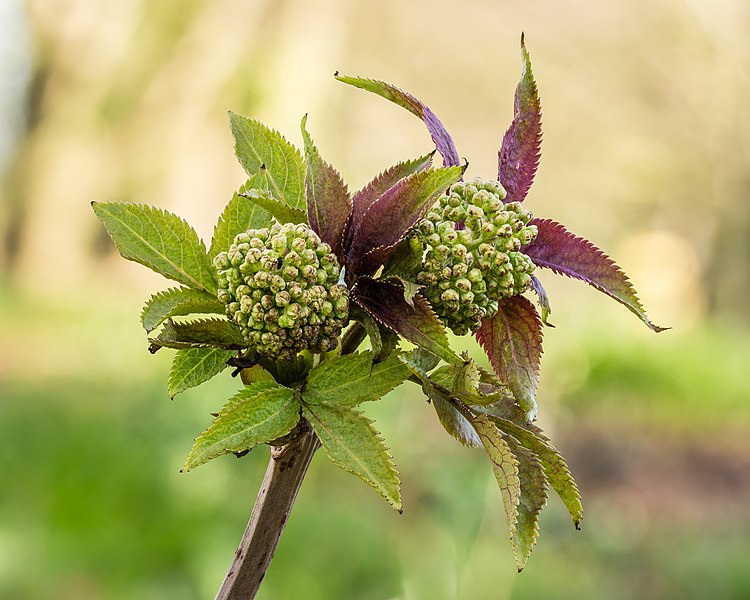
646	150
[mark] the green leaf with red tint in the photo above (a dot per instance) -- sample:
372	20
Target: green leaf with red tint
328	202
390	217
365	197
518	157
417	324
565	253
512	340
441	138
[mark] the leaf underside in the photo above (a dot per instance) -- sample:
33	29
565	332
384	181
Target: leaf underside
260	148
177	302
441	137
512	340
281	211
565	253
194	366
239	215
518	157
418	323
257	414
353	444
159	240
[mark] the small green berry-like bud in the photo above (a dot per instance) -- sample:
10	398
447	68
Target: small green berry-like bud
280	285
471	242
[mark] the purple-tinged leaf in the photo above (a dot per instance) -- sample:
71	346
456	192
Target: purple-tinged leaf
443	141
328	201
518	157
565	253
365	197
390	217
512	340
541	295
417	324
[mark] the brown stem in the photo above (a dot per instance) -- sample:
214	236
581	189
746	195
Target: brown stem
284	476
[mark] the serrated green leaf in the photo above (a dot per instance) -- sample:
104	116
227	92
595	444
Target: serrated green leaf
203	333
255	374
382	339
193	366
257	414
451	419
239	215
352	379
159	240
281	211
532	502
555	468
420	361
257	146
504	466
469	390
353	444
177	302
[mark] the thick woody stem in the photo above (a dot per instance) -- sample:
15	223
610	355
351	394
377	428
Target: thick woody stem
284	476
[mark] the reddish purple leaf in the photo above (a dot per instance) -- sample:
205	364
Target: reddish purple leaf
512	340
328	201
443	141
558	249
518	157
417	323
389	218
365	197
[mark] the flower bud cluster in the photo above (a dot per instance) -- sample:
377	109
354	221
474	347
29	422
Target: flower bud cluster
473	241
280	285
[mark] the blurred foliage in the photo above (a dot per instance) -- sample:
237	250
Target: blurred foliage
645	152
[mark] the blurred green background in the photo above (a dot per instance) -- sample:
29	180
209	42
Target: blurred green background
647	115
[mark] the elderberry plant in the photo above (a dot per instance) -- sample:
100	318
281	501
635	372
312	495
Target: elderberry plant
296	259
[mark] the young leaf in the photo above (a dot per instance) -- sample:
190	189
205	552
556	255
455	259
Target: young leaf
193	366
328	202
365	197
216	333
258	147
389	218
512	340
160	240
353	444
565	253
177	302
382	339
418	323
555	468
476	393
257	414
352	379
443	141
504	466
281	211
452	420
533	499
518	157
239	215
543	300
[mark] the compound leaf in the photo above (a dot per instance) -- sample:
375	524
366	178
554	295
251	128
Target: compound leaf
159	240
353	444
193	366
257	414
239	215
352	379
177	302
258	147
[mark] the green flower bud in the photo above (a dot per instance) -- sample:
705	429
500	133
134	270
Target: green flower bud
280	285
471	242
